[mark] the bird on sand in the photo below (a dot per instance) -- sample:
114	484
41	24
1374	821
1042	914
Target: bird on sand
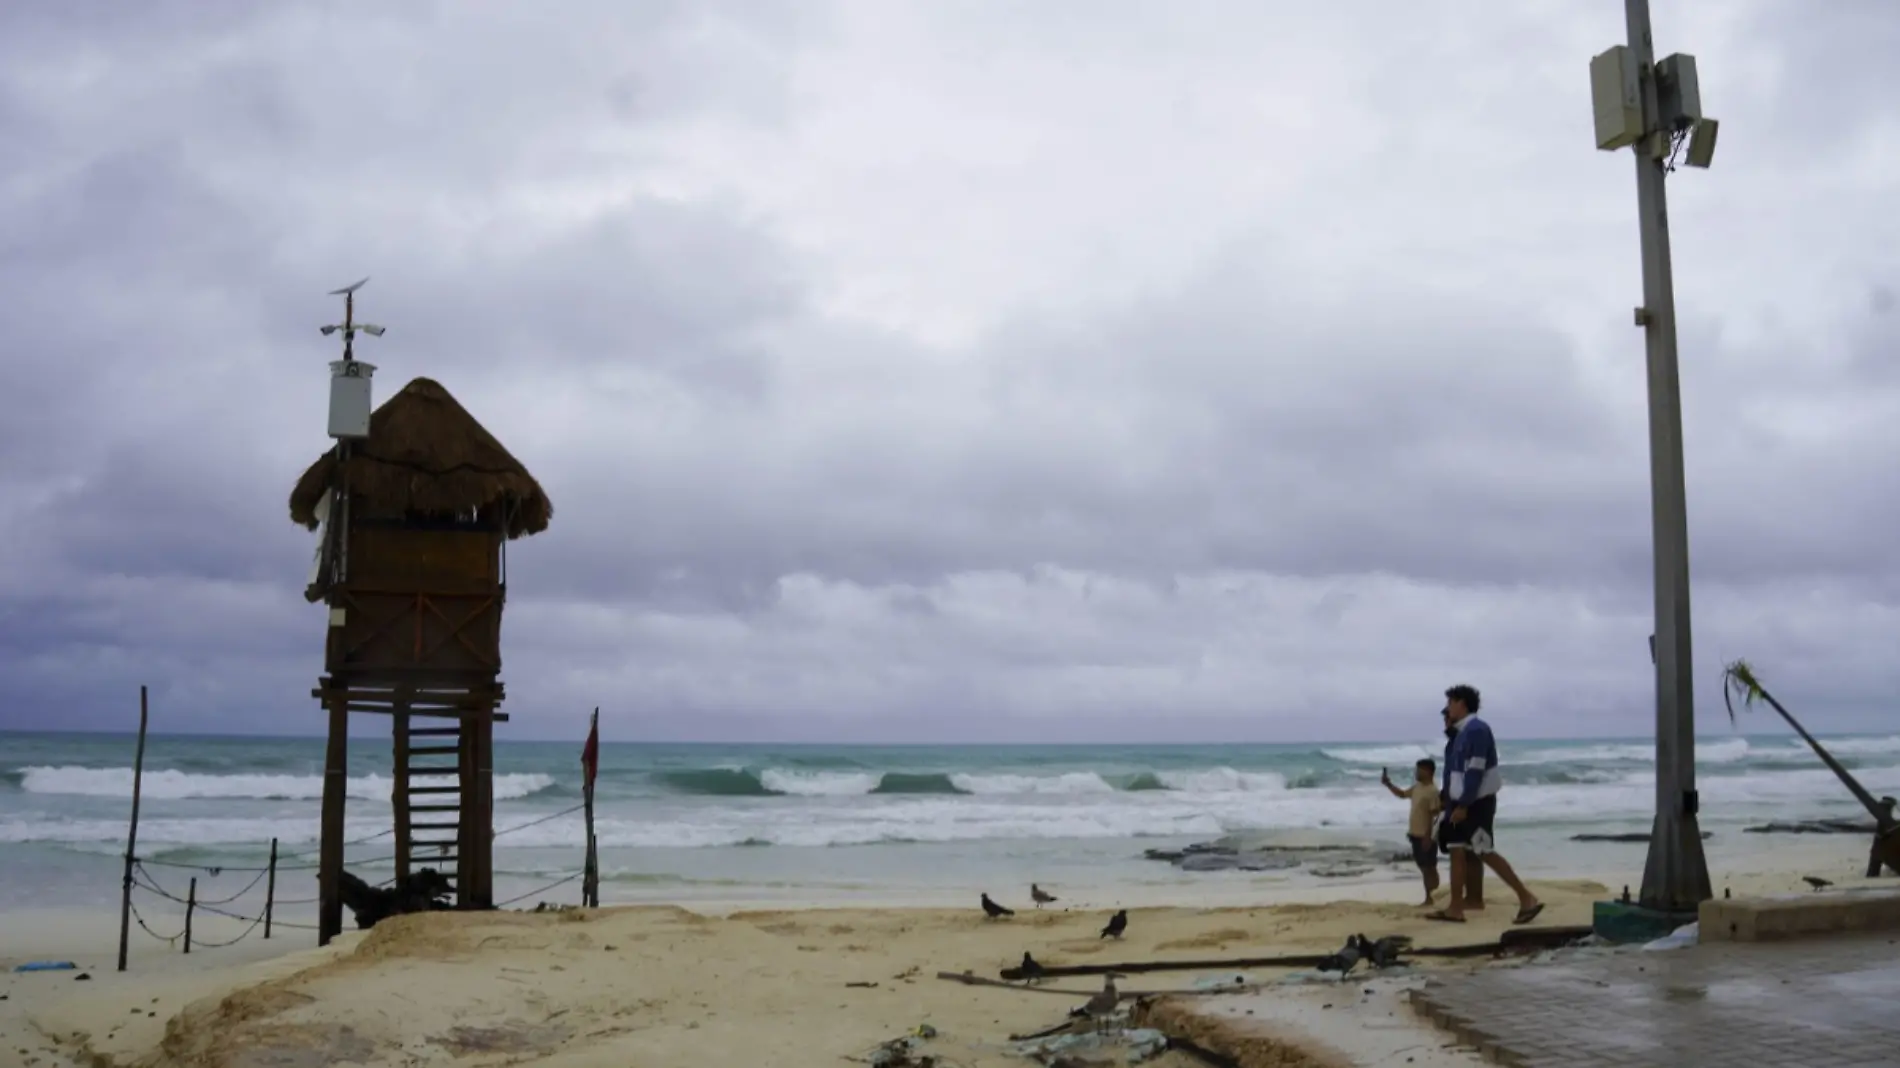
1030	970
995	911
1385	952
1116	924
1101	1007
1345	960
1040	896
1816	882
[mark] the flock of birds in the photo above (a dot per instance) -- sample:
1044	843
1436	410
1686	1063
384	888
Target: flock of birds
1379	954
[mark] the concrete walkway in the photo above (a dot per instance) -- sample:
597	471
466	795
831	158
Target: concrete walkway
1833	1002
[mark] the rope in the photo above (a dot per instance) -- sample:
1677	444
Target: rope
147	928
214	870
558	882
255	879
543	819
241	935
319	848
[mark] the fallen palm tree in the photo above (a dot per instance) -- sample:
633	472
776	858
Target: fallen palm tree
1739	680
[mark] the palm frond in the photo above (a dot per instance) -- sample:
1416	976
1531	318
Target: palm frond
1738	680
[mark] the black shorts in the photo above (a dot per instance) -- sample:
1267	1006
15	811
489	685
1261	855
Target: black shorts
1475	831
1424	851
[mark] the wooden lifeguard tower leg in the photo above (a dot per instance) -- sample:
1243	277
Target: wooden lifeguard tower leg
336	781
474	882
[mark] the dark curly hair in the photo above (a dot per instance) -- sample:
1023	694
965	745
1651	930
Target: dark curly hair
1465	695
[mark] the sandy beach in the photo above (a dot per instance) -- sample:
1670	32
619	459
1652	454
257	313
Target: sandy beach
663	986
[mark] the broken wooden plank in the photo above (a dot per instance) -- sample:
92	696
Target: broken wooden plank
1516	938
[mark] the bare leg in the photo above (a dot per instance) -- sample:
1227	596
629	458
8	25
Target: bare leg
1431	880
1525	899
1455	907
1474	886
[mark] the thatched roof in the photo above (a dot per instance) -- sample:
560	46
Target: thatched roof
426	455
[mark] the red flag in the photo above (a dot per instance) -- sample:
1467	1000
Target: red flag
590	754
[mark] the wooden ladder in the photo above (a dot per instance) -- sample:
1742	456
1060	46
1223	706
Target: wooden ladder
428	797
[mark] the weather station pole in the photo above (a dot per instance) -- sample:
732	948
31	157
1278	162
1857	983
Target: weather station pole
349	421
1654	108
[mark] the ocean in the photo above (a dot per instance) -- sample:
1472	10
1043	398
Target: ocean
800	823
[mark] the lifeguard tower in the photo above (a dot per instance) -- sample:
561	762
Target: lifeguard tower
416	503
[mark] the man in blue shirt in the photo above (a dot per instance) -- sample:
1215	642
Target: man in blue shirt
1472	781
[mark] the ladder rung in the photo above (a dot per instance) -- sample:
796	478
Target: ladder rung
435	808
434	732
450	826
434	750
434	771
435	790
416	844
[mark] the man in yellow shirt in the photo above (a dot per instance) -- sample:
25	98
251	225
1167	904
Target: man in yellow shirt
1423	793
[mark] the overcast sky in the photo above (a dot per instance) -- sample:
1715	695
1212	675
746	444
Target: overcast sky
957	371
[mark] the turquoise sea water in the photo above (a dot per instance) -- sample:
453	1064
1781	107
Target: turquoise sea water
758	822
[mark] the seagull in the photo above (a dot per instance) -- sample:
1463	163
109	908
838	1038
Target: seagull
1343	961
1030	970
1817	883
995	911
1385	952
1101	1007
1116	925
1040	896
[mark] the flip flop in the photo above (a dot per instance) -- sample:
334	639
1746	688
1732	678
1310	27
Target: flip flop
1444	917
1525	916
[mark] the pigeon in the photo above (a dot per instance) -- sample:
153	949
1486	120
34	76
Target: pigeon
1101	1007
1817	883
1031	971
1385	952
1116	924
995	911
1040	896
1343	961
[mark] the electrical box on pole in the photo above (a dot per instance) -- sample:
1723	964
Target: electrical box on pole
350	398
1678	94
1616	93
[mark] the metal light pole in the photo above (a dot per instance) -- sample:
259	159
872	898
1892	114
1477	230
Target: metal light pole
1655	109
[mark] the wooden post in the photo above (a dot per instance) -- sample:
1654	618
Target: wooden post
482	808
336	768
270	888
590	882
132	835
191	906
399	793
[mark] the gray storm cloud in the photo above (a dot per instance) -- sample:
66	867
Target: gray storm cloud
1227	372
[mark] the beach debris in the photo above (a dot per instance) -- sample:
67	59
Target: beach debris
905	1051
45	966
426	890
1117	924
1135	1044
995	911
1053	1029
1513	940
1229	981
1345	960
1040	896
1030	970
1817	882
862	986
